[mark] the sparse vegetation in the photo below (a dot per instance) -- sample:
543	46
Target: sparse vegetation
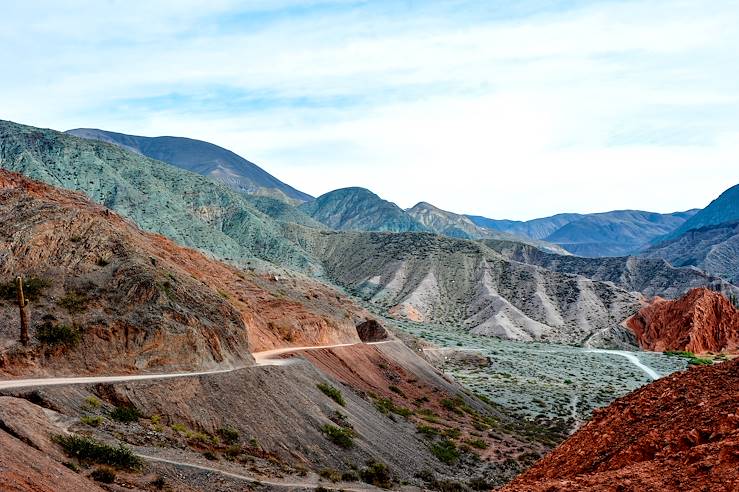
91	420
332	393
125	414
229	434
103	474
330	474
74	302
693	360
91	403
445	451
61	334
88	449
477	443
33	287
339	435
397	390
377	474
386	405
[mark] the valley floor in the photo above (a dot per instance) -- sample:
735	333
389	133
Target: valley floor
557	385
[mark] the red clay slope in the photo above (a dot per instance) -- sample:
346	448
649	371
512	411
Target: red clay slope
680	433
700	321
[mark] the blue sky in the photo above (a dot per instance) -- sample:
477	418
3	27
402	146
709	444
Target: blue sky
504	109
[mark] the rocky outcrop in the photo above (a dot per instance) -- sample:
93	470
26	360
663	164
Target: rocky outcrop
700	321
678	433
371	331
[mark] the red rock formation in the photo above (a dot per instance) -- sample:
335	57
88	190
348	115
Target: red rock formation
678	433
700	321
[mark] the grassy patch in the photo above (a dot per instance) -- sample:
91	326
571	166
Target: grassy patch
477	443
89	449
338	435
332	393
91	420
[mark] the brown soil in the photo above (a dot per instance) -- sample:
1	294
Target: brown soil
141	297
700	321
678	433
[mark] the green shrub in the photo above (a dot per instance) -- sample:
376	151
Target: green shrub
397	390
338	435
349	476
91	402
376	474
88	449
386	405
74	302
427	430
125	414
332	393
51	334
104	475
210	456
179	428
445	451
229	434
91	420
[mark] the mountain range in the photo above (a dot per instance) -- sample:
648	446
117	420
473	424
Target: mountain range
202	158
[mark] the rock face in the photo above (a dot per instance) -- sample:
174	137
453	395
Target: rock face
202	158
358	209
615	233
678	433
127	300
712	248
701	321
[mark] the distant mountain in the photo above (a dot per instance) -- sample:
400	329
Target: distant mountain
445	223
202	158
535	228
723	209
615	233
358	209
461	226
712	248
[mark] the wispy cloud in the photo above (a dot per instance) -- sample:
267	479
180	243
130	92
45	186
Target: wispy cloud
509	111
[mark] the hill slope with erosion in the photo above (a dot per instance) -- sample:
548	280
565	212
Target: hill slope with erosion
358	209
202	158
700	321
678	433
425	277
649	276
191	209
130	300
712	248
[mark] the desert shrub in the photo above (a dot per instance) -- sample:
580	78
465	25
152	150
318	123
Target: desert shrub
52	334
452	433
427	430
74	302
91	420
104	475
699	361
338	435
91	402
349	476
179	428
477	443
386	405
377	474
88	449
330	474
210	456
332	393
448	486
445	451
158	483
125	414
479	483
229	434
33	287
397	390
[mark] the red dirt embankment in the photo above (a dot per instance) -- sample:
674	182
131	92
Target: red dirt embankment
700	321
678	433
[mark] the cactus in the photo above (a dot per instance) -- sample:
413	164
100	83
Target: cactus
22	302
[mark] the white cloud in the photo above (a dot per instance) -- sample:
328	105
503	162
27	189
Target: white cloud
609	105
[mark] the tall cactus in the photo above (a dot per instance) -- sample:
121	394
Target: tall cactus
22	302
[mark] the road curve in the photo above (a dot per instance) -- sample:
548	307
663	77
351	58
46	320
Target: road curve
632	358
264	358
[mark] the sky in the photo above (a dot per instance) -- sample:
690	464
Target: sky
504	109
